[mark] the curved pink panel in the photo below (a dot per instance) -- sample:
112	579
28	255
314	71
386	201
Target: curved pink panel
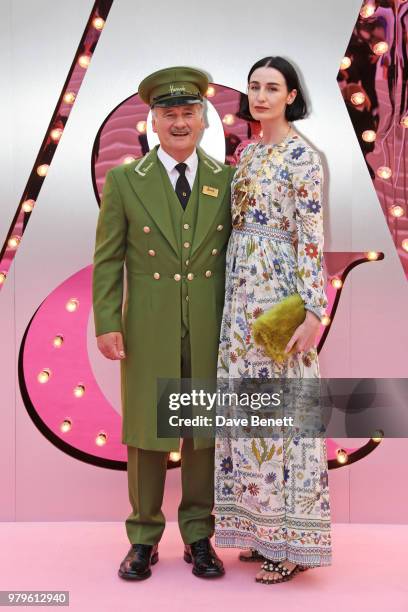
54	401
122	134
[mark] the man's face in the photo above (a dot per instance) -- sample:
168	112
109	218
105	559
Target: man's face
178	127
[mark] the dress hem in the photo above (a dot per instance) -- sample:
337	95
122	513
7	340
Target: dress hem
285	551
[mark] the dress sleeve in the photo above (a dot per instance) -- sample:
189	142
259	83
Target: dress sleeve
109	257
308	192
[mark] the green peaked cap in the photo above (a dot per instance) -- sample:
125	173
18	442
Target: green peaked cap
174	86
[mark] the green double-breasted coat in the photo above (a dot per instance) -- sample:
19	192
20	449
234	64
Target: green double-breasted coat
165	262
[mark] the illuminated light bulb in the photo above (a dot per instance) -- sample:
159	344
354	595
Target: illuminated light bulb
72	305
129	159
380	48
98	23
44	376
56	134
337	283
367	11
42	170
66	425
3	277
404	244
345	63
342	456
141	127
13	242
404	121
84	61
101	438
325	320
174	456
358	98
58	341
69	97
384	172
228	119
79	391
396	210
28	205
372	255
211	91
378	436
368	135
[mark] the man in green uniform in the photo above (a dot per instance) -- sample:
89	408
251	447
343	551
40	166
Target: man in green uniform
167	217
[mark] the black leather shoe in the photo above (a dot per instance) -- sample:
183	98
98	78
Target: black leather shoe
136	564
205	562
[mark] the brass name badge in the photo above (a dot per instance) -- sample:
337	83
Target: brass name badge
211	191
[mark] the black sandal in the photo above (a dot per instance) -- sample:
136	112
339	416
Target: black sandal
278	567
254	556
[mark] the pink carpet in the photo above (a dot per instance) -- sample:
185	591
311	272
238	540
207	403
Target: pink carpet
368	573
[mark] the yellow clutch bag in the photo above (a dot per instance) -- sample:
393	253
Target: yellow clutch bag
275	327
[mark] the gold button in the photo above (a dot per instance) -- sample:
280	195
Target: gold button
186	226
156	275
177	277
184	194
214	252
146	229
219	228
208	273
190	276
152	253
186	298
187	262
186	245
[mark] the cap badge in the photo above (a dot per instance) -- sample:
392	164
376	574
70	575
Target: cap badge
174	89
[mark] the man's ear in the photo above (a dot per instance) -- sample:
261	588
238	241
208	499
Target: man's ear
154	128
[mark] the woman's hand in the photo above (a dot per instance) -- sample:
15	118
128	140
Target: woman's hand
305	335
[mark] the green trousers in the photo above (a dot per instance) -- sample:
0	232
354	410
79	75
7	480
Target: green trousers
146	478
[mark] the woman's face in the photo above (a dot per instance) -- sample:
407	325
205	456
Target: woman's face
268	94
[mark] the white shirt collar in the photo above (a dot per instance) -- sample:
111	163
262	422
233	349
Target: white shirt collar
170	163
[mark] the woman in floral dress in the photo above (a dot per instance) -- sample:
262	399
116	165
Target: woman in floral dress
271	495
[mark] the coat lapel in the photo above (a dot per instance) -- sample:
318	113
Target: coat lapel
211	175
146	181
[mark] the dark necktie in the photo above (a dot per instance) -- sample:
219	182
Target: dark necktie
183	190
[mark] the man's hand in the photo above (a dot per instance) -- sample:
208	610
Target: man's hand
111	345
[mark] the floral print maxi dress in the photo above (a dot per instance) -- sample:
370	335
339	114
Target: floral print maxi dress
272	495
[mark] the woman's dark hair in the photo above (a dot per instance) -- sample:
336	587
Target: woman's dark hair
295	111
